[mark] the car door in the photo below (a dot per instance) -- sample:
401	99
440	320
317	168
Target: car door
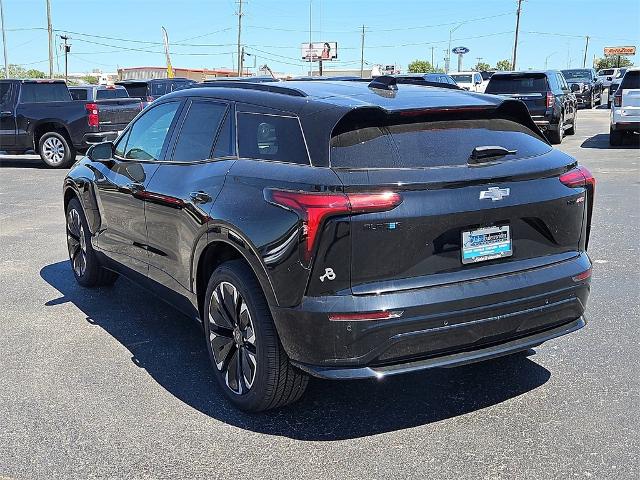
7	115
121	186
182	192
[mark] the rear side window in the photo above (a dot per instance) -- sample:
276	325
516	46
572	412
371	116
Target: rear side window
110	93
44	92
78	93
199	131
271	137
517	84
631	80
608	71
430	144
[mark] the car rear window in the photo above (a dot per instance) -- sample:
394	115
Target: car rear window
137	90
78	93
431	144
271	137
44	92
110	93
631	80
462	78
517	84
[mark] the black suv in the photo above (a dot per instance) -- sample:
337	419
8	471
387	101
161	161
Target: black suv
152	89
338	229
547	95
584	83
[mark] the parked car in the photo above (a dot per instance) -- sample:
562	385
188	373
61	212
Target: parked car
584	83
152	89
471	81
116	109
615	84
546	94
441	80
625	111
40	115
606	76
318	228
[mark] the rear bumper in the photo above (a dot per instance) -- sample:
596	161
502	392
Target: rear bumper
92	138
440	326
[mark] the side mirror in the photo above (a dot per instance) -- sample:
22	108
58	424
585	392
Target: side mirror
575	87
101	152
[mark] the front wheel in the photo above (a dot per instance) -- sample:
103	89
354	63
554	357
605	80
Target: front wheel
55	150
248	360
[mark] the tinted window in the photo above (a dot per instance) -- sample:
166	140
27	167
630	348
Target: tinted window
430	144
608	71
533	83
148	134
158	89
44	92
78	93
462	78
107	93
199	131
271	138
5	93
631	80
224	144
577	75
137	90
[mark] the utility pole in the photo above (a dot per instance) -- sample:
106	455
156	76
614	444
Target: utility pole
4	43
432	49
515	42
310	38
586	47
50	30
239	37
362	54
67	49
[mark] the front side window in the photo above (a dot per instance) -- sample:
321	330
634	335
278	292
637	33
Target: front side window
199	131
271	137
78	93
5	93
148	134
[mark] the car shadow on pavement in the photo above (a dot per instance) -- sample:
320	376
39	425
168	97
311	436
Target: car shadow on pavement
601	141
17	162
171	348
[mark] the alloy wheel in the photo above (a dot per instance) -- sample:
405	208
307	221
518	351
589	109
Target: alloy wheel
76	242
53	150
232	338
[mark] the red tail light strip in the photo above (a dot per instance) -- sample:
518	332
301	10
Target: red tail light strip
582	276
578	177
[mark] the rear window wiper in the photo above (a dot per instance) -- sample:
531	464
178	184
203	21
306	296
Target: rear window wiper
487	152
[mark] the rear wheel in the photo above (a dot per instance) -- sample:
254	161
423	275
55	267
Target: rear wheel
615	137
84	262
555	136
248	360
55	150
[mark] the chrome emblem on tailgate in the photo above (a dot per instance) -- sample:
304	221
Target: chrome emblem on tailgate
494	193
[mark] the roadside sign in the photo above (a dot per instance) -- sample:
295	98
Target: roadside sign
460	50
629	50
313	52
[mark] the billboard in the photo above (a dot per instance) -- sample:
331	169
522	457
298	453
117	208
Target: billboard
313	52
619	50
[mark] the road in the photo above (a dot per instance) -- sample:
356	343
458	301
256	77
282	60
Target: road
112	383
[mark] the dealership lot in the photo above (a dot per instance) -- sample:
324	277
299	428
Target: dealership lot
113	383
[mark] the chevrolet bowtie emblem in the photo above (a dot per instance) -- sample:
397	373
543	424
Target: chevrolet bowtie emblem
494	193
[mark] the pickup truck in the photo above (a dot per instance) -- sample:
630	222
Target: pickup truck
41	115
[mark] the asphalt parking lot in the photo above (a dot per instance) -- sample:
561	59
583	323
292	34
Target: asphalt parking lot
113	383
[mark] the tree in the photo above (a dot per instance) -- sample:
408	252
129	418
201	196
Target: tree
612	62
423	66
91	79
16	71
482	67
503	65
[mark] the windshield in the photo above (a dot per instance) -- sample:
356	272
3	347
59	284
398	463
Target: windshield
462	78
580	75
531	83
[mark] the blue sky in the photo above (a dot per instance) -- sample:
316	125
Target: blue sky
203	33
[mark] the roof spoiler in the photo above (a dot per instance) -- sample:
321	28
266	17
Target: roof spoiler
384	82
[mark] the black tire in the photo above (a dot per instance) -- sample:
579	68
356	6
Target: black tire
615	137
572	130
555	136
84	262
55	151
240	302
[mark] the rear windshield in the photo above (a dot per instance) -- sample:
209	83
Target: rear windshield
137	90
78	93
44	92
631	80
109	93
431	144
462	78
158	89
577	74
517	84
608	71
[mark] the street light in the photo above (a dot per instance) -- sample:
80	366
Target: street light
449	49
547	59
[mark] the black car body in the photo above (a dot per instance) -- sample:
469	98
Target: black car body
546	94
361	220
586	86
152	89
41	115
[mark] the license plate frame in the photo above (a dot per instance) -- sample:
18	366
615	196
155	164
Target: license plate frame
486	243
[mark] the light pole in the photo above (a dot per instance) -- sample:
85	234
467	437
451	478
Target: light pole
4	43
546	60
448	63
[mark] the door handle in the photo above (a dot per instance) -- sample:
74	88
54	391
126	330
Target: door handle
199	197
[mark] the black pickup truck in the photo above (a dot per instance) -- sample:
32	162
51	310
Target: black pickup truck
41	115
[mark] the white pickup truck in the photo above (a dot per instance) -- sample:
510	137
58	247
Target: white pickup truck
625	109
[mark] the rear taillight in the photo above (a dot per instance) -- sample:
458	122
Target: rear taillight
550	99
578	177
93	118
313	208
581	277
617	100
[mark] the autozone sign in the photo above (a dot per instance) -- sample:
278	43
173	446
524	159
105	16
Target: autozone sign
619	50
